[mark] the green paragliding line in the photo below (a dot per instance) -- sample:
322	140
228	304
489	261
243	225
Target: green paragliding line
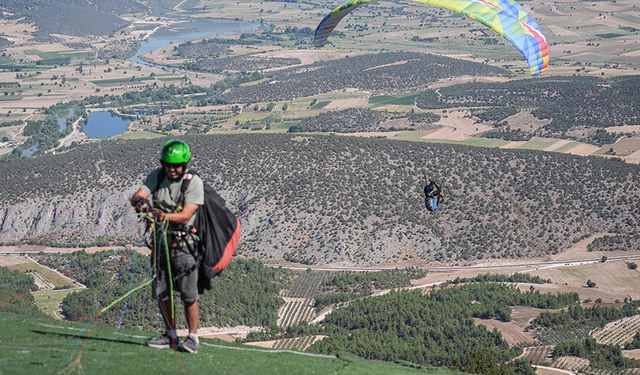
105	309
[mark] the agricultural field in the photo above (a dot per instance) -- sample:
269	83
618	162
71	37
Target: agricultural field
48	301
45	278
538	355
619	332
296	343
52	286
614	281
299	300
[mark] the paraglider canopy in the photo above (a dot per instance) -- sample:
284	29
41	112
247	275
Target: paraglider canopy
505	17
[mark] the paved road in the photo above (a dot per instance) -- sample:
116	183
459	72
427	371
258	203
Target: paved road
527	265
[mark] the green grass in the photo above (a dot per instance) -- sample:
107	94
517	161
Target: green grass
72	54
117	81
140	135
5	60
394	100
48	301
320	104
40	346
55	278
490	41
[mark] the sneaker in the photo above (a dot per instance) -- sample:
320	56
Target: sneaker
164	342
190	345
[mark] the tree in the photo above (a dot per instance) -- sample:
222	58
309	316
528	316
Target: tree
603	259
632	265
591	284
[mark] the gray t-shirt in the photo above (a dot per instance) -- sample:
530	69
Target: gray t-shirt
166	198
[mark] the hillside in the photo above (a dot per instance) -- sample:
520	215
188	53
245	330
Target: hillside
29	341
566	107
383	72
330	199
76	17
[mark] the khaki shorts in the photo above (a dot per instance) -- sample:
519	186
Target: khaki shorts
183	270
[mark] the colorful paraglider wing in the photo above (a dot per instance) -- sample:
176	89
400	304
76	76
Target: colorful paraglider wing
331	20
514	9
529	41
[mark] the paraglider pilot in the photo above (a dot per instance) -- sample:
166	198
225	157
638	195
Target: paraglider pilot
433	195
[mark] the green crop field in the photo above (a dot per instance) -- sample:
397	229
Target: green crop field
117	81
42	54
48	301
395	100
321	104
41	346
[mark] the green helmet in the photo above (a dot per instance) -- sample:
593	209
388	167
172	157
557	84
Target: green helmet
175	151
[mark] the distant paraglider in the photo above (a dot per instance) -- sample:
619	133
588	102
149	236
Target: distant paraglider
505	17
433	195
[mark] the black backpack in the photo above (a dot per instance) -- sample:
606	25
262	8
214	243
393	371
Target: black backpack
218	230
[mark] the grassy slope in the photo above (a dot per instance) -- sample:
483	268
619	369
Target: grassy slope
39	346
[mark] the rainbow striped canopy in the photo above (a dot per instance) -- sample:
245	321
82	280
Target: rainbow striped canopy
505	17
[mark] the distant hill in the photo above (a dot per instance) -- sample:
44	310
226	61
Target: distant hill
73	17
47	346
386	73
326	199
570	107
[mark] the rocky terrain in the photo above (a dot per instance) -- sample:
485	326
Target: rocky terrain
331	199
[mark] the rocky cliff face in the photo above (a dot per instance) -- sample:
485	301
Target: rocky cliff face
334	199
67	219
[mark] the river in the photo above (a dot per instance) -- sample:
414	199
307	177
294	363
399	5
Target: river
189	30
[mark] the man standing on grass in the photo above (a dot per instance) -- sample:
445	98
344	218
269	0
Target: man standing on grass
178	209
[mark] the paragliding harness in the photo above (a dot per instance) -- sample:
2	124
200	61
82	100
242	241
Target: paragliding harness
216	232
435	193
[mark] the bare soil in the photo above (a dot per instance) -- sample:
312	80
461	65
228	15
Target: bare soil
511	332
455	126
525	121
614	281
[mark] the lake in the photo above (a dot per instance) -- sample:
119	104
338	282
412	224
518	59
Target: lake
189	30
104	124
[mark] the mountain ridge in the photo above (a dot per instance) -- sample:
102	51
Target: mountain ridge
328	199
